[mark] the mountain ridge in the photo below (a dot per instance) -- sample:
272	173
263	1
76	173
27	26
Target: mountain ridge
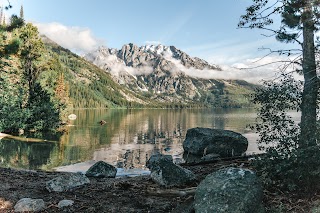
163	73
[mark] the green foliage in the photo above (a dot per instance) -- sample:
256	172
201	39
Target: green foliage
13	116
277	132
44	111
15	22
29	82
284	165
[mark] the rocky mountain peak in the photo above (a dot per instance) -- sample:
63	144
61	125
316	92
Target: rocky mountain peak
157	69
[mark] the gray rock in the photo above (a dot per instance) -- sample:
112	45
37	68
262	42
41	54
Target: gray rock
29	205
65	203
154	159
66	183
204	141
101	169
315	206
234	190
166	173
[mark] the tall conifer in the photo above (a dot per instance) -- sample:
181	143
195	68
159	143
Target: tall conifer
21	12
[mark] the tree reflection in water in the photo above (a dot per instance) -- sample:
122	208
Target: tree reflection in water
127	140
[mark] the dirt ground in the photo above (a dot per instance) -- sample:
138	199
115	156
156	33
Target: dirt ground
135	194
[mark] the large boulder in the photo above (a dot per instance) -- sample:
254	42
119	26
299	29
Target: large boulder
234	190
153	162
101	169
29	205
166	173
67	182
204	141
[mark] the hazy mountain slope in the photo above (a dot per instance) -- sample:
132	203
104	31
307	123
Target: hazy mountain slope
89	86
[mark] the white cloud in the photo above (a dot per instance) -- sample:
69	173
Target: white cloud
257	69
117	67
253	70
152	42
241	60
77	39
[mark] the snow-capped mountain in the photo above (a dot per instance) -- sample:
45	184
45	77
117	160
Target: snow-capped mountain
164	73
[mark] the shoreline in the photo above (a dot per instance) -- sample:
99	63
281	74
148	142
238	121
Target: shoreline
123	194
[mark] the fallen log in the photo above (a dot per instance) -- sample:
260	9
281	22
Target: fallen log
173	192
3	135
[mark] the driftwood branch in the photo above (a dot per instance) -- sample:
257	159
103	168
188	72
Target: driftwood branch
173	192
3	135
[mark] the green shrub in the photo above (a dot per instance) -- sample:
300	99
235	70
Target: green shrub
285	166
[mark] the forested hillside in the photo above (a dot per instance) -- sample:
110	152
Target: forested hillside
87	85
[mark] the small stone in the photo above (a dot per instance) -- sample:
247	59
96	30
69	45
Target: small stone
65	203
29	205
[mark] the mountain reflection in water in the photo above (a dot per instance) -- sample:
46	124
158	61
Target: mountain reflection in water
127	140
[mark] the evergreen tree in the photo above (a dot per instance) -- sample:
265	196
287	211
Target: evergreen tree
4	23
21	12
15	22
31	50
1	15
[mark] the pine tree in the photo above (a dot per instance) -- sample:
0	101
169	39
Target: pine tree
61	89
21	12
3	21
31	50
1	15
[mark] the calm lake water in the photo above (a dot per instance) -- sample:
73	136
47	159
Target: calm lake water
127	140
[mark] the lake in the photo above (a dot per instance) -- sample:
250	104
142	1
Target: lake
127	140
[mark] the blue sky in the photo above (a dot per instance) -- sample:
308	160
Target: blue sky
203	28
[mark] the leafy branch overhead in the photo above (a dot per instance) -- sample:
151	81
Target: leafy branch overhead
293	16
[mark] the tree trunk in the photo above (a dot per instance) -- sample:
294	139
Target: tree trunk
311	83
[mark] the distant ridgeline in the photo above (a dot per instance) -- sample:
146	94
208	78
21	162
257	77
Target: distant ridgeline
169	75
